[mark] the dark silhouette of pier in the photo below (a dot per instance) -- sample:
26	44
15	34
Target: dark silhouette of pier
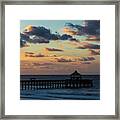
74	82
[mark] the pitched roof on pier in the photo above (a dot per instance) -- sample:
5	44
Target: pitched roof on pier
75	73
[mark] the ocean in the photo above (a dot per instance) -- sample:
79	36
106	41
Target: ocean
92	93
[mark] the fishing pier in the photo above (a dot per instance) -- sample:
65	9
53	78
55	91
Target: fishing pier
74	82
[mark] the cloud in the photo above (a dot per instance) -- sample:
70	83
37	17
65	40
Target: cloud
39	55
93	38
33	34
92	27
37	39
74	40
28	28
68	37
23	40
88	46
95	52
64	60
69	31
54	49
24	36
41	34
73	29
29	53
55	36
23	44
87	59
38	31
65	37
34	55
41	64
85	62
41	31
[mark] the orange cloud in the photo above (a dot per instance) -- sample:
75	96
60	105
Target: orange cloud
31	54
28	28
69	31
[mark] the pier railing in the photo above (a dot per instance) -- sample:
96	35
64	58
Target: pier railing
54	84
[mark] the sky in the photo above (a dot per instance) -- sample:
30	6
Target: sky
59	47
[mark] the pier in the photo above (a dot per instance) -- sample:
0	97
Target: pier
74	82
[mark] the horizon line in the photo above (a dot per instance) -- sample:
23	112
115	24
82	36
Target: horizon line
59	74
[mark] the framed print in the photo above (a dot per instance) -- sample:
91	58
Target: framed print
51	62
59	59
